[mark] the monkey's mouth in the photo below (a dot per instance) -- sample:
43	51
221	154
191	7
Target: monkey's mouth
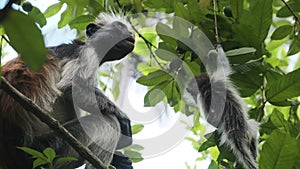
120	50
128	43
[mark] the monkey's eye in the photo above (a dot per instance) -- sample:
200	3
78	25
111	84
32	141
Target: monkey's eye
91	29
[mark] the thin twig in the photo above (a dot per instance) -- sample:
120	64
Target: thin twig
141	36
45	117
216	21
291	10
264	102
147	42
133	27
7	41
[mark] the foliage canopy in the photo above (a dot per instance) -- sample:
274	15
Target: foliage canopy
261	39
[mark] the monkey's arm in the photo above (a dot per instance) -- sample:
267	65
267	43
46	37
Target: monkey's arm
94	101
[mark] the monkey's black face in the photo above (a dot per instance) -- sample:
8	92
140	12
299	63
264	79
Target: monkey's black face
118	40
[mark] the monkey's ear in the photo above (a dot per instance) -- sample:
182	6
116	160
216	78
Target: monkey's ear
91	29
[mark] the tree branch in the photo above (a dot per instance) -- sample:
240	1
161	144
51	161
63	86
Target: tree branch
45	117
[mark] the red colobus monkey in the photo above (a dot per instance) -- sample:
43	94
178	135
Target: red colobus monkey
224	109
65	84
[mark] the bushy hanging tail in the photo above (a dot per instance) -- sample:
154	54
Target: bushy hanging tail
224	109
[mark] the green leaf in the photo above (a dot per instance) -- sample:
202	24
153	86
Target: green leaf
138	5
294	47
248	81
213	165
207	144
278	120
50	154
286	87
272	76
153	97
63	160
183	29
172	92
97	7
279	151
137	147
237	8
196	13
167	5
1	31
134	156
181	11
154	78
27	41
211	140
53	9
281	32
37	16
81	22
65	17
240	51
38	162
115	90
33	153
262	13
285	12
165	55
137	128
166	33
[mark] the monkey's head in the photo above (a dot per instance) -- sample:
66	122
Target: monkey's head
112	35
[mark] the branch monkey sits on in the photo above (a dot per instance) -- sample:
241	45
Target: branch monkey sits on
65	84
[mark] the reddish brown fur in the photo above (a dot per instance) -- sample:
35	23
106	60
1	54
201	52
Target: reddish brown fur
17	126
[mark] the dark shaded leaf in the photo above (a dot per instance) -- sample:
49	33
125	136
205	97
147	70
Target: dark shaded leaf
285	12
154	78
166	33
34	52
249	82
166	54
286	87
213	165
181	11
237	8
37	16
279	151
81	22
281	32
262	12
294	47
